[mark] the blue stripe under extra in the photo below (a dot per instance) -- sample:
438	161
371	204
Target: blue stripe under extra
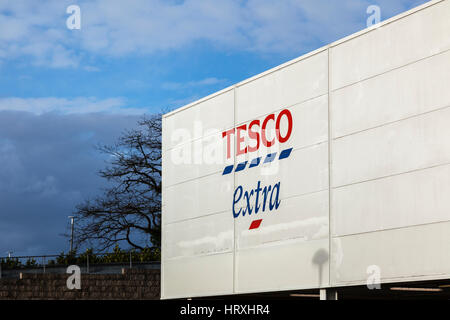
255	162
241	166
270	157
228	170
285	154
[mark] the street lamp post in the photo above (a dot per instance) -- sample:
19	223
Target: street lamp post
72	221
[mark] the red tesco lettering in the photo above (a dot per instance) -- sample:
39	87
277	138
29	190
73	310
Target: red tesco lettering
257	132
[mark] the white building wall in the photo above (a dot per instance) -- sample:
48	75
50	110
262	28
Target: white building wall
280	254
198	233
390	118
371	133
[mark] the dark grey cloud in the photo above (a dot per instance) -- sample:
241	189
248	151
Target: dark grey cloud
48	164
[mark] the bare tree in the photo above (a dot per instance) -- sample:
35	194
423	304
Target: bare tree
129	210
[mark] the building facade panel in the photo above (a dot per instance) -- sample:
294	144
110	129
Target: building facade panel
281	207
405	40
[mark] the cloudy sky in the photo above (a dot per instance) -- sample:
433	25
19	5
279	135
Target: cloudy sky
64	91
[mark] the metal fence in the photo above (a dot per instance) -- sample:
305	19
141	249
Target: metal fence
11	267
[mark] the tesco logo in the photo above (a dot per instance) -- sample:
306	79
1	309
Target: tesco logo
257	132
262	198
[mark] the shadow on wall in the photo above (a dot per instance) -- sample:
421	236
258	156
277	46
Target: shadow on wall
319	259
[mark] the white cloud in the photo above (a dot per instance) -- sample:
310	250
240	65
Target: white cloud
118	28
80	105
192	84
91	68
33	29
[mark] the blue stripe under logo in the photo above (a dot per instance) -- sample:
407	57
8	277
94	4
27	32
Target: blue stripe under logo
255	162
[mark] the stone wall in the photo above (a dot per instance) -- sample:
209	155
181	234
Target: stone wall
136	284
